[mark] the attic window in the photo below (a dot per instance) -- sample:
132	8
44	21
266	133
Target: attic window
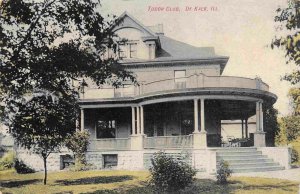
122	50
127	49
133	50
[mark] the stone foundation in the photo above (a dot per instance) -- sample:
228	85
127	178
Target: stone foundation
54	162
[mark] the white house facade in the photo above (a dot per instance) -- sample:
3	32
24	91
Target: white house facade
178	107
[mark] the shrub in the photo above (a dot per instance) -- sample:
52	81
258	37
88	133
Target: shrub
294	156
78	144
223	172
22	168
168	174
8	160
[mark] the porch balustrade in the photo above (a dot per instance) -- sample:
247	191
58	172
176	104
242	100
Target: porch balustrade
193	81
110	144
183	141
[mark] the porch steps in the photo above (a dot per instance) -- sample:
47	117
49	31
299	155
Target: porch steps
247	160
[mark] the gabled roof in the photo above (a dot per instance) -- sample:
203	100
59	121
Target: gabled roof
133	23
168	49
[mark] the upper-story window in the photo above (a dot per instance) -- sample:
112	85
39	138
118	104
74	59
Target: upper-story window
127	49
122	50
133	50
180	79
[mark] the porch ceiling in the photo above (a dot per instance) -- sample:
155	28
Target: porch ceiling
236	109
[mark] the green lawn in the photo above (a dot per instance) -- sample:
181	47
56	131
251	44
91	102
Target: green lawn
130	182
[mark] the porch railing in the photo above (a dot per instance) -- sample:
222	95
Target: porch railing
183	141
110	144
192	81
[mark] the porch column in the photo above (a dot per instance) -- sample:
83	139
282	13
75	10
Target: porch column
142	120
133	119
261	114
200	139
242	128
136	139
259	135
257	117
246	128
202	116
81	119
138	122
196	116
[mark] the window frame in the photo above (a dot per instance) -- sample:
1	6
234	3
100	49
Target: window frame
110	126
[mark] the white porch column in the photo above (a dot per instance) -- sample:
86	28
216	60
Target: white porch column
200	138
257	116
133	119
242	128
261	114
136	139
142	120
259	135
138	122
202	116
81	119
196	116
246	128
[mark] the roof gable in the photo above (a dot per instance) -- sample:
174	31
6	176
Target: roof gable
128	21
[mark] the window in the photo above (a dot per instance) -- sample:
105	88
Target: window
133	50
110	160
127	49
180	79
122	50
106	129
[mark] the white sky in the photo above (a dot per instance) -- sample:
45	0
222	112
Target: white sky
239	29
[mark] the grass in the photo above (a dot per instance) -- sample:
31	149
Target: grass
131	182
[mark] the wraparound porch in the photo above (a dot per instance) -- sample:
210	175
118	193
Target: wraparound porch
187	124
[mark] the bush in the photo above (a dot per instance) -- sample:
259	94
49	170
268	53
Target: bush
78	144
169	175
8	160
294	156
22	168
223	172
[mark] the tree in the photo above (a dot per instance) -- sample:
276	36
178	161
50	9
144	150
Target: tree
271	126
291	125
42	123
288	37
44	46
294	95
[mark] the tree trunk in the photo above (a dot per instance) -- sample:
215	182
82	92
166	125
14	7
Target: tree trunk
45	170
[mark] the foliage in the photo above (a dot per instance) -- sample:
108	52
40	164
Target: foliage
223	172
294	95
45	46
8	160
291	125
271	126
288	36
42	124
22	168
281	138
78	142
168	174
294	156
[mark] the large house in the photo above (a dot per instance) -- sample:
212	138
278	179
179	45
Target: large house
179	106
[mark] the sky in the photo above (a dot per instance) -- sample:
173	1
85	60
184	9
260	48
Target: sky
242	30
